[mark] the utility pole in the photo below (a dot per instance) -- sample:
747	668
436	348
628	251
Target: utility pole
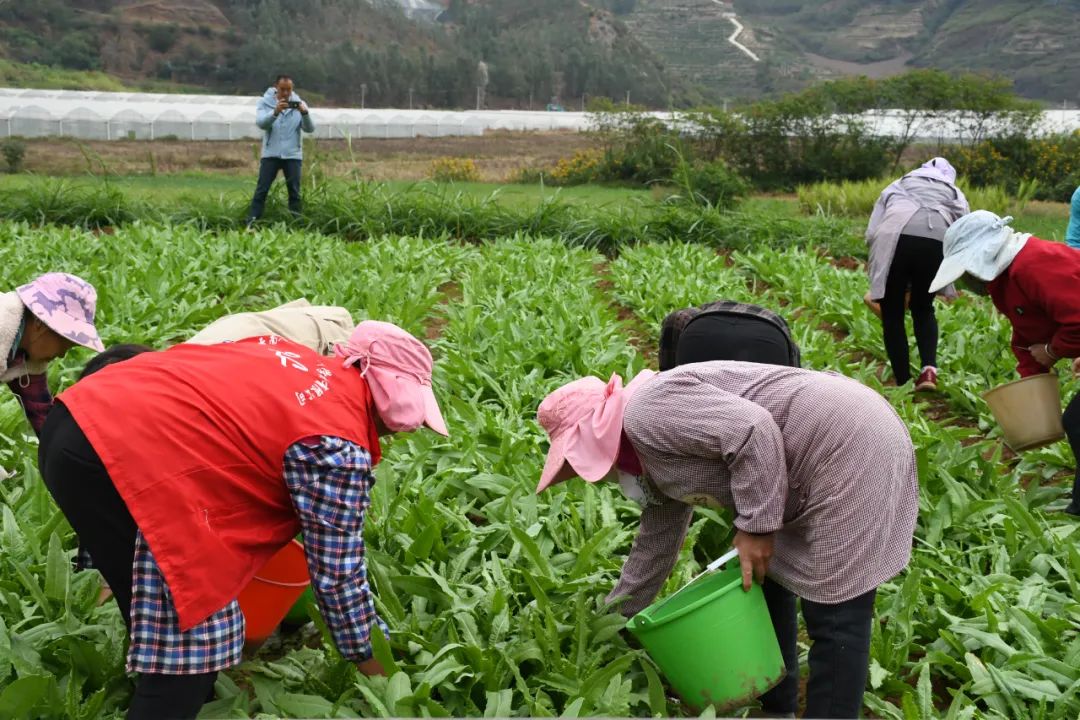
481	84
363	94
627	98
410	98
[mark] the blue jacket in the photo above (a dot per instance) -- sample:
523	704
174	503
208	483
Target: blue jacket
1072	235
281	134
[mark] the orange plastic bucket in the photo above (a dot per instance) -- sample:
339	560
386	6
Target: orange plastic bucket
273	591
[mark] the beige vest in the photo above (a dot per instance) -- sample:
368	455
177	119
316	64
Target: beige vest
319	327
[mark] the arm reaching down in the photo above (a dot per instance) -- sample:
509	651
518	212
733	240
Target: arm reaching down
682	417
330	482
656	548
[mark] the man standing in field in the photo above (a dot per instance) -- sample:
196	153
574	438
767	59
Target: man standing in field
282	116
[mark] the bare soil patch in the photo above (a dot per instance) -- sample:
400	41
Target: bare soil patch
498	155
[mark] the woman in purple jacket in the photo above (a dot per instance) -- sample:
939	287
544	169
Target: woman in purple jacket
904	234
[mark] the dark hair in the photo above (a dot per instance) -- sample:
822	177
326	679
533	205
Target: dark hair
29	316
113	354
279	78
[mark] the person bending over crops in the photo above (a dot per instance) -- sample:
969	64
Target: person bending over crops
905	231
319	327
183	471
818	470
726	330
39	322
1036	285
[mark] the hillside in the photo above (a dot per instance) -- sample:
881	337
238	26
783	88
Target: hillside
428	52
1030	41
384	51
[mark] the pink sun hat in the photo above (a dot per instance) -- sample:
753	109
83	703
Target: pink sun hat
583	419
397	367
66	304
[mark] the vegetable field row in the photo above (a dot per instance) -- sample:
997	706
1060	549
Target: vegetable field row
495	595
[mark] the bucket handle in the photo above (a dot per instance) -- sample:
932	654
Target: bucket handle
711	567
717	564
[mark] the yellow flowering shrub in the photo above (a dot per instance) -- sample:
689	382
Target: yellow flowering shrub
1051	162
579	168
453	169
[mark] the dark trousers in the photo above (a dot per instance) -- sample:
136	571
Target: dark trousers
839	653
1071	421
914	265
268	172
78	481
728	337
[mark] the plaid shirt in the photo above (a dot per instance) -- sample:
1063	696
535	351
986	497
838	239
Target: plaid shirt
330	482
33	394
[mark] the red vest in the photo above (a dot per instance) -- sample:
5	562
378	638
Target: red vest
194	439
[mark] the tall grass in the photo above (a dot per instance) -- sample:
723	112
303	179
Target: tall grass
856	199
363	210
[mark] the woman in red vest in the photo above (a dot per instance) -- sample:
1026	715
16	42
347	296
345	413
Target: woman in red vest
183	471
1036	285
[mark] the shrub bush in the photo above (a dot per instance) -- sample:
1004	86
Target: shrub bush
639	149
1054	162
710	183
776	146
161	38
451	169
582	167
14	152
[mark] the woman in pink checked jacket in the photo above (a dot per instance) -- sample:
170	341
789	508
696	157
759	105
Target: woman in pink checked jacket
818	470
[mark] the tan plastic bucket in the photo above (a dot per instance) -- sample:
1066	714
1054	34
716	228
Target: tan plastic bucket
1028	411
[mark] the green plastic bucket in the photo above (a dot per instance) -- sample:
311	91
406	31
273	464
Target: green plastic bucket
714	643
298	615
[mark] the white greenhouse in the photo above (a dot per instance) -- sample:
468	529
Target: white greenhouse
144	116
149	116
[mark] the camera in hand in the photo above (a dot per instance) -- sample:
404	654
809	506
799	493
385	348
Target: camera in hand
294	104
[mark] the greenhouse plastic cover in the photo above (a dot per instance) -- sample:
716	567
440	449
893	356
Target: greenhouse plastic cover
148	116
139	116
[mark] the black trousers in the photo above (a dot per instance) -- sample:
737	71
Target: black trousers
268	172
839	653
728	337
1071	420
78	481
914	266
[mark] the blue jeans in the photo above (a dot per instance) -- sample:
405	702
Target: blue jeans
839	653
268	172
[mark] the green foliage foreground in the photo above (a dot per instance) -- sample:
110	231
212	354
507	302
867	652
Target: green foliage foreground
495	595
